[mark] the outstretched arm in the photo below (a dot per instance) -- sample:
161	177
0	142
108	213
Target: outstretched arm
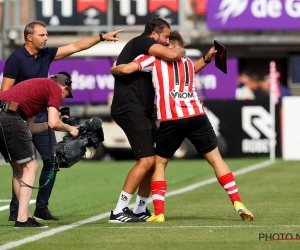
84	44
124	69
200	63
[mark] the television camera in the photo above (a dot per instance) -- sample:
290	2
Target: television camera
71	149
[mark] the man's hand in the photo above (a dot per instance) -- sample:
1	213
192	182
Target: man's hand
200	63
112	36
74	131
211	54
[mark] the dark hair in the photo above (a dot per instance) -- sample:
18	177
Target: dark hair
157	24
65	73
30	27
176	37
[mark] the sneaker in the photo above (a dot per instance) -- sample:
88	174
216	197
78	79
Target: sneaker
245	214
13	216
125	216
43	214
156	218
31	222
144	215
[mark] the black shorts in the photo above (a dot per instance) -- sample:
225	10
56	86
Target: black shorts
197	129
140	132
17	137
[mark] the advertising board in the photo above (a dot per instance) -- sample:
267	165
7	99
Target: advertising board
253	15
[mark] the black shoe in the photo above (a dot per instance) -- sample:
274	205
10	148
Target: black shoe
125	216
43	214
144	215
31	222
13	216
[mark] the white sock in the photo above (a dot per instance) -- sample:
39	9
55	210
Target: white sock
123	201
140	204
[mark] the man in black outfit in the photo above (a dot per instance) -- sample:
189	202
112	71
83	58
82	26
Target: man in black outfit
132	109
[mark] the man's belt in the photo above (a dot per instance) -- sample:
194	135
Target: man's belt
9	107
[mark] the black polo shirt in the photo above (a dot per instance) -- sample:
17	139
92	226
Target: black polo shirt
134	92
21	65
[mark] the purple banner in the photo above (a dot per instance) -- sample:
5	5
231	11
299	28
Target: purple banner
215	84
91	79
253	15
93	84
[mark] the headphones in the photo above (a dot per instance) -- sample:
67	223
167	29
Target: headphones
68	82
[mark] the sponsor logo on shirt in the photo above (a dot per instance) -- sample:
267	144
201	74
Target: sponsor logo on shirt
182	95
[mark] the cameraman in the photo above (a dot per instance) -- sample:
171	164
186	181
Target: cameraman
18	106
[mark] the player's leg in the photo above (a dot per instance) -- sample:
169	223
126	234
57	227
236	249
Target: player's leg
140	207
226	179
132	182
137	174
223	173
205	140
138	131
158	189
168	139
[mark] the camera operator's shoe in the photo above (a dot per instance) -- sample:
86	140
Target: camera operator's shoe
43	214
144	215
125	216
245	214
156	218
13	216
31	222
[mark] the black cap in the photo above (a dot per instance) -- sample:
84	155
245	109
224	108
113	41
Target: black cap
64	81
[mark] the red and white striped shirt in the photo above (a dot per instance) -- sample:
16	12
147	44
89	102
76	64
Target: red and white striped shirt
174	85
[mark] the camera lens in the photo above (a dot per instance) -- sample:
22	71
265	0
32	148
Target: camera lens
65	111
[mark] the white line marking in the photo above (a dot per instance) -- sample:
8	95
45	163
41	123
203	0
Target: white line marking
102	216
158	227
7	206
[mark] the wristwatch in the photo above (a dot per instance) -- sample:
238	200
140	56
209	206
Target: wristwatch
205	60
101	37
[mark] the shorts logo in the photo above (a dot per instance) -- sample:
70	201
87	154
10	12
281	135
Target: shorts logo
182	95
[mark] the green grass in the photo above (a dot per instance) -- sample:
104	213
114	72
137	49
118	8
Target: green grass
200	219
